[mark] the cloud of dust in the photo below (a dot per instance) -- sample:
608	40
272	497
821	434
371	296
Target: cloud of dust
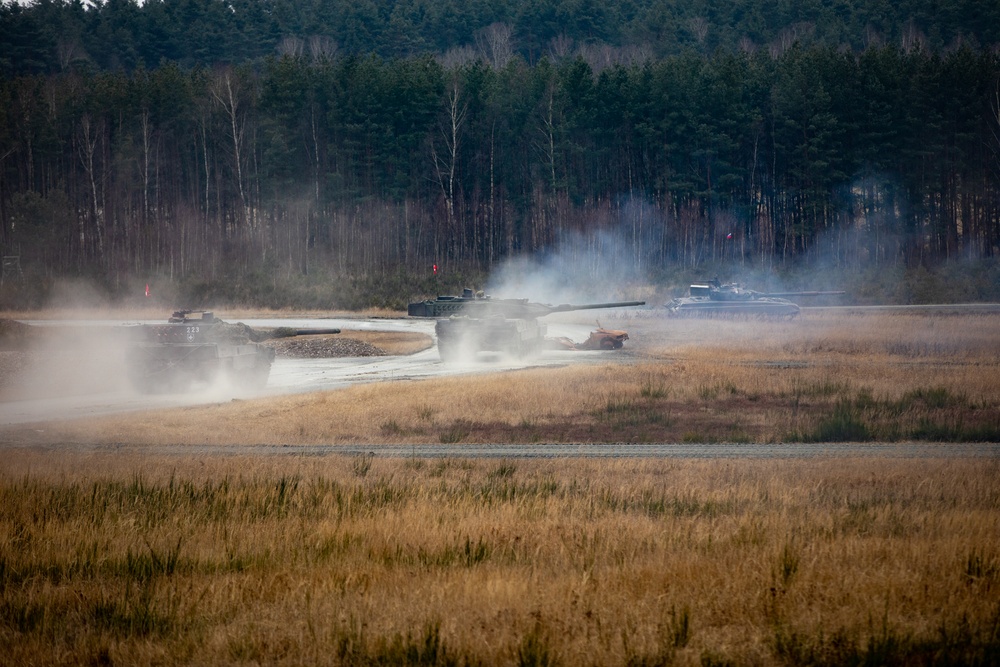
78	295
466	352
603	266
61	358
77	366
579	268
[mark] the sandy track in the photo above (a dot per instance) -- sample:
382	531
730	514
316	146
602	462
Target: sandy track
83	376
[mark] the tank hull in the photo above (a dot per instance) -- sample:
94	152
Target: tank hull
189	350
158	368
707	307
460	336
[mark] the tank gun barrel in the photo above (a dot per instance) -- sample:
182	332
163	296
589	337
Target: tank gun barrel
480	306
788	294
315	332
566	307
287	332
523	309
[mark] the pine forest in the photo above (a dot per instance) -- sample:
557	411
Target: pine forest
267	144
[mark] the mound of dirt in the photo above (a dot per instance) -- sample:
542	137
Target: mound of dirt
323	347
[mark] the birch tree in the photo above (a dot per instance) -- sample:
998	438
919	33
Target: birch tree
445	152
227	92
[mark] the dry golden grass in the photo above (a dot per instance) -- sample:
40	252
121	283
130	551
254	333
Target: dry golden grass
135	559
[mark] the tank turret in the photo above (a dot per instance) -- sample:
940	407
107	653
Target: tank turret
443	306
194	346
478	323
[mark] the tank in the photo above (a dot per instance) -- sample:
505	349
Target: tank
712	298
475	323
195	347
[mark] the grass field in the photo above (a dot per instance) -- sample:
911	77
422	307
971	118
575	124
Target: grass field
110	559
140	558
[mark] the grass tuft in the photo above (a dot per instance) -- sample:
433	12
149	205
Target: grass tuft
534	651
788	564
654	389
459	431
844	425
980	567
362	464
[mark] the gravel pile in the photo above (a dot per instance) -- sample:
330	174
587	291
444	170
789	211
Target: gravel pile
306	347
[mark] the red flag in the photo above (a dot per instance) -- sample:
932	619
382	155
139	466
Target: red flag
435	269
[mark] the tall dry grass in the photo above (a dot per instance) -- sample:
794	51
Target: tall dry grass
359	561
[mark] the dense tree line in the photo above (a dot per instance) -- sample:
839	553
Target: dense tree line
364	164
49	36
193	137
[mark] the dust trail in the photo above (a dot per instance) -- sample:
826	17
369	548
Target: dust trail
598	267
62	359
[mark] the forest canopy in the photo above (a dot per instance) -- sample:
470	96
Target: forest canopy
47	36
191	139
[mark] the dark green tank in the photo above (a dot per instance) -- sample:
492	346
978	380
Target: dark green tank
475	322
712	298
194	347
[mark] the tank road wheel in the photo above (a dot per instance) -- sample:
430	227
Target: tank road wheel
256	376
144	384
164	381
151	376
515	348
447	349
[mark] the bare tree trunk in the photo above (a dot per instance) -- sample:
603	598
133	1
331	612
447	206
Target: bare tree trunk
226	93
548	131
491	207
144	124
146	133
445	166
88	146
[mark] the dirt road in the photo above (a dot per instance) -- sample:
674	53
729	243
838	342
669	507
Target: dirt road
84	376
